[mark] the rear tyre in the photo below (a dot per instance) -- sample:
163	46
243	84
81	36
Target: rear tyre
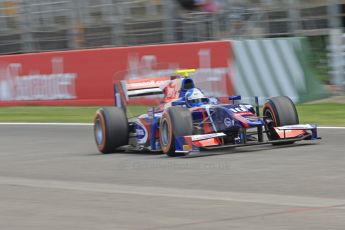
110	129
175	121
279	111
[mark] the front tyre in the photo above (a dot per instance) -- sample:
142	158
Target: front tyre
175	121
279	111
110	129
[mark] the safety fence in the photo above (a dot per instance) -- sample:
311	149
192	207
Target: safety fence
48	25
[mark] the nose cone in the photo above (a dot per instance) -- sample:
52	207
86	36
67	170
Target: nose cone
253	121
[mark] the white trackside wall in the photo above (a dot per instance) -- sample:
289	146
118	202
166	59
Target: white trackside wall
273	67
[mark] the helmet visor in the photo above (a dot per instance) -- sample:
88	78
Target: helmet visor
199	100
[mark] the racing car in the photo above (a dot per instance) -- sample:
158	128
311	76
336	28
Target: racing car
187	122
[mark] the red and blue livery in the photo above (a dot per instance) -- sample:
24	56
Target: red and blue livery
187	122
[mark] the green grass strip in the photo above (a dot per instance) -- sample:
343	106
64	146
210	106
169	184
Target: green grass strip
47	114
67	114
322	114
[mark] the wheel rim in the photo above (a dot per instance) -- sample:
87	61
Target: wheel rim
269	115
99	131
165	133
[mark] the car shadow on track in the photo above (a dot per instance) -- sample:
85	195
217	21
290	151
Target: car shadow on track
233	150
126	152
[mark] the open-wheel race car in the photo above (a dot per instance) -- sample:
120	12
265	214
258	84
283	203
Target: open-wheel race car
187	122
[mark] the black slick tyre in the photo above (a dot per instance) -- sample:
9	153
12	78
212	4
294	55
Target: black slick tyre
110	129
175	121
279	111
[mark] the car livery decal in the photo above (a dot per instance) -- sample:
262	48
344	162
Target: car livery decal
206	136
141	132
228	122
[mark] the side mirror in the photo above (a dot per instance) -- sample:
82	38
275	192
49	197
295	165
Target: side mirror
234	98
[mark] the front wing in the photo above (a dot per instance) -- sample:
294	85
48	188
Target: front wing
214	141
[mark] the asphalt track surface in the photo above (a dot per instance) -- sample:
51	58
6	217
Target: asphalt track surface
52	177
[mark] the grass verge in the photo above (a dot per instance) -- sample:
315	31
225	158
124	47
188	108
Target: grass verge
322	114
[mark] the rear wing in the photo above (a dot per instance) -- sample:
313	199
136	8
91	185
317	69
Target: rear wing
144	87
126	89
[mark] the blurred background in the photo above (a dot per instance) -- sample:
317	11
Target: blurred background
46	25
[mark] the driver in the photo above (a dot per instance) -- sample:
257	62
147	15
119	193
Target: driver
195	97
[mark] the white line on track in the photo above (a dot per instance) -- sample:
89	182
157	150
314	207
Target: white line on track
36	123
330	127
90	124
260	198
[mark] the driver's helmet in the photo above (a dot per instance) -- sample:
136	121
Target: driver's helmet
195	97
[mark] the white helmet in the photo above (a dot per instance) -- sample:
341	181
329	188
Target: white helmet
195	97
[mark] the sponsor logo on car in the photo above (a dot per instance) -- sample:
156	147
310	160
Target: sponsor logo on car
228	122
141	133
